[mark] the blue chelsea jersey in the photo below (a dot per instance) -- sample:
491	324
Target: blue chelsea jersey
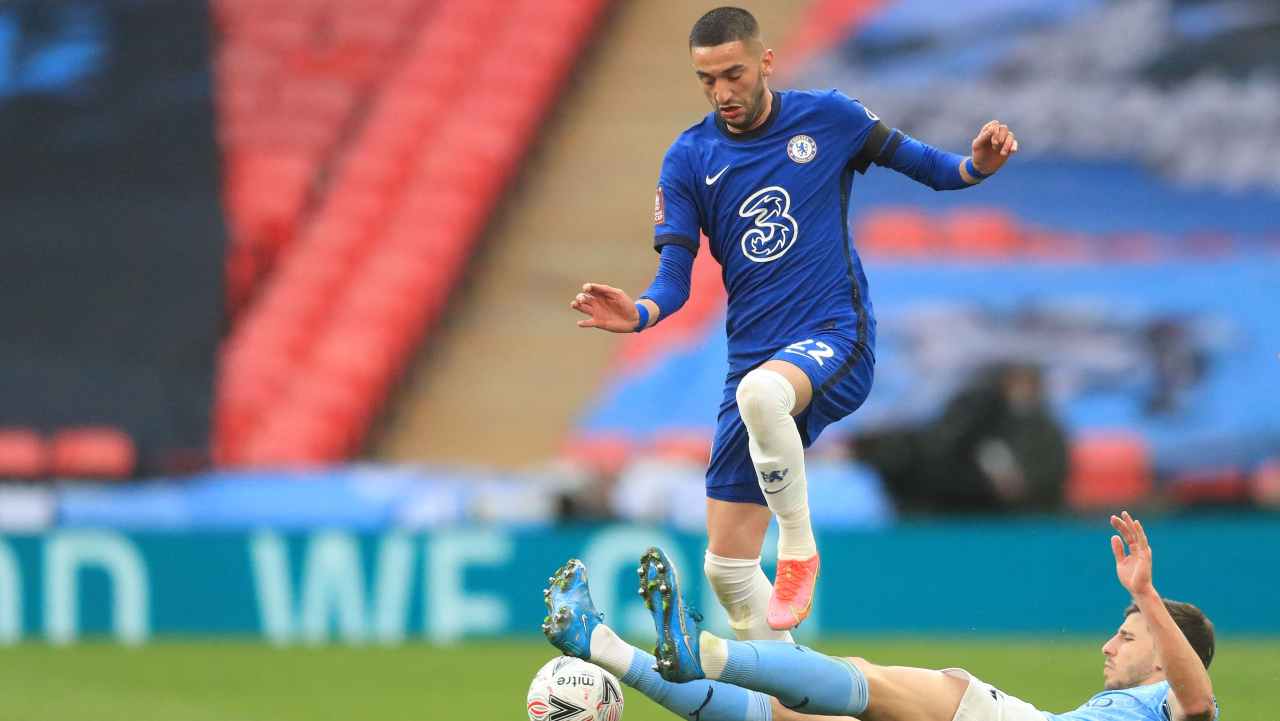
774	204
1141	703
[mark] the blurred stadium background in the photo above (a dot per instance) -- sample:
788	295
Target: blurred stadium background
296	421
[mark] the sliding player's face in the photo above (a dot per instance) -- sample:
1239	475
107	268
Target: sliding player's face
1130	656
734	78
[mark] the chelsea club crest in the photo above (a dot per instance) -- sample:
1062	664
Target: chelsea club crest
801	148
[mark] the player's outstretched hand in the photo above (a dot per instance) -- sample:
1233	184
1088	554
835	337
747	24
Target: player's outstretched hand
609	308
1132	568
993	146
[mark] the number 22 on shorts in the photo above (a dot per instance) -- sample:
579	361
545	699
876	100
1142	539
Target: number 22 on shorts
815	349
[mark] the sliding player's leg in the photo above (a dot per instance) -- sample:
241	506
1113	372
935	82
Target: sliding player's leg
574	626
804	680
682	659
799	678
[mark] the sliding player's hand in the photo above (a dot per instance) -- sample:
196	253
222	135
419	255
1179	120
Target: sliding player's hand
1132	568
610	309
994	145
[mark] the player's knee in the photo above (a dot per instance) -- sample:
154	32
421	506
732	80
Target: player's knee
730	577
764	395
870	671
712	570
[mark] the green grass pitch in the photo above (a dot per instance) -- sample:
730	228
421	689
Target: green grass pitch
234	681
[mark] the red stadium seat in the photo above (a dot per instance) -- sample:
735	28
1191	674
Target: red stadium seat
1108	471
1264	486
23	454
1218	486
602	455
92	452
982	233
691	445
897	233
294	440
358	356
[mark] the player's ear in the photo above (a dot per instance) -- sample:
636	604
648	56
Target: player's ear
766	62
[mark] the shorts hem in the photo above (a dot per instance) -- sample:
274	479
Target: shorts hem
717	495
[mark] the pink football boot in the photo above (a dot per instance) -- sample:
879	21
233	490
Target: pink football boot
792	596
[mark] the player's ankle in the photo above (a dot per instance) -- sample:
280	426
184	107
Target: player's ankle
610	652
795	535
797	546
713	655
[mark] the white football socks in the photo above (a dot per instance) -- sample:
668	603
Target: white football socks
713	654
744	592
765	400
610	652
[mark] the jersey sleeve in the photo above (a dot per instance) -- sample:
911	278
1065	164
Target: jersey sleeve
864	128
1167	715
675	211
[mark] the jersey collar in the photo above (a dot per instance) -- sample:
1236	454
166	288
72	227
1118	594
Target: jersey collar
760	130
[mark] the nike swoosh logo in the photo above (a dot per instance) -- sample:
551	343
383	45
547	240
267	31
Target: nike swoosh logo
780	490
711	179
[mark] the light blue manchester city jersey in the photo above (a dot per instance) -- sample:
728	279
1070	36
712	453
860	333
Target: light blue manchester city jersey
1141	703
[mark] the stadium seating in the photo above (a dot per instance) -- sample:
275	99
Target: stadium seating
364	264
824	25
92	452
1218	486
986	234
1264	486
605	455
293	79
23	454
1108	471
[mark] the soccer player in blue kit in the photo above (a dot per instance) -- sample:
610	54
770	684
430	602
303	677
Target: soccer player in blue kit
767	176
1155	666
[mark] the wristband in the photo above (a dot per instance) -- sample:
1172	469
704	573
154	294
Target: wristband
643	310
973	171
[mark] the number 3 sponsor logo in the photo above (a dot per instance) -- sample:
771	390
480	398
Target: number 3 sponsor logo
815	349
774	231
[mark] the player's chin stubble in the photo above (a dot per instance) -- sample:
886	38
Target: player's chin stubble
751	112
757	108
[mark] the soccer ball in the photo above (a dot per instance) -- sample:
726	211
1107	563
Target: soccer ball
570	689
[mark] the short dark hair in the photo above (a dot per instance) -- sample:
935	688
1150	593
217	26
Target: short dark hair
723	25
1192	622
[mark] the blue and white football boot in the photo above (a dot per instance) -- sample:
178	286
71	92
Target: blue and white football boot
571	616
674	620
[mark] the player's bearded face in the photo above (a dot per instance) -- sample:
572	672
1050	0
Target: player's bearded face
734	79
1130	656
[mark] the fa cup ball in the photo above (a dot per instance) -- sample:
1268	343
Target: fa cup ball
570	689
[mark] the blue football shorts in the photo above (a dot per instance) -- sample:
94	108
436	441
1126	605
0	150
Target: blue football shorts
840	371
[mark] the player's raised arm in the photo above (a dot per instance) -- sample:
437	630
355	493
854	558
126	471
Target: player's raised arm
1191	697
939	169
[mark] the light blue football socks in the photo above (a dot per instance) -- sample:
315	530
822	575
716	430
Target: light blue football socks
703	700
800	678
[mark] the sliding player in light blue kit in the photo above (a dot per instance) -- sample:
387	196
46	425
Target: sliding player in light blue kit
767	178
1155	667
